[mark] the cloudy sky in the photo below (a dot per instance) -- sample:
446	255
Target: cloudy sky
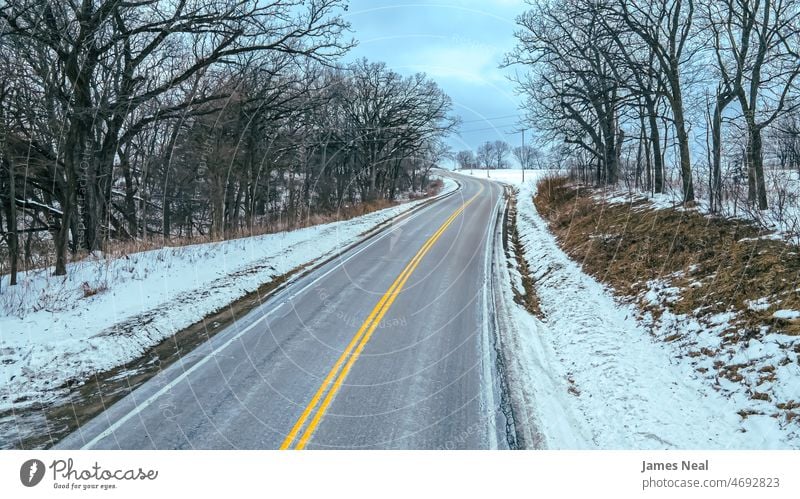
457	43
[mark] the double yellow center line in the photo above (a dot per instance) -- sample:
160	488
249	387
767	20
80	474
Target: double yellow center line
333	381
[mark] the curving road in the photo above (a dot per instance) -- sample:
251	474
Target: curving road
387	346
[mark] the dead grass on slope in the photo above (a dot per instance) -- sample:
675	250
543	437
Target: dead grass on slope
718	264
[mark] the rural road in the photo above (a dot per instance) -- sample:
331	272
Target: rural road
387	346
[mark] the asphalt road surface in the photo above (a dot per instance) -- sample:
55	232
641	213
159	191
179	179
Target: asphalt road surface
386	346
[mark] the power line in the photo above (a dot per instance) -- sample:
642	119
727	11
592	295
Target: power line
498	128
492	118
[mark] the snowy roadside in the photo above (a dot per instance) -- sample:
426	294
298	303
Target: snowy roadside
60	335
592	375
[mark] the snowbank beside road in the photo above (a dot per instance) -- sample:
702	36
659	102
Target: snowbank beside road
593	376
60	334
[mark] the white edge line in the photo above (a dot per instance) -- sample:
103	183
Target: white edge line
488	374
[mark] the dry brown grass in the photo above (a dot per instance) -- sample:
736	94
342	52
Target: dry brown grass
89	290
434	187
718	264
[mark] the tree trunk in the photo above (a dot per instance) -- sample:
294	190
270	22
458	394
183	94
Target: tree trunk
104	182
637	177
220	197
644	152
648	163
655	140
683	144
11	223
68	208
167	218
130	196
716	153
610	168
755	160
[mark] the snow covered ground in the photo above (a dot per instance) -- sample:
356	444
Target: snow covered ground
593	376
51	332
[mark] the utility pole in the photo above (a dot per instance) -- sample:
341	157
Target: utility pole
524	155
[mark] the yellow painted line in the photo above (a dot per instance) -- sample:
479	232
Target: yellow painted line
366	337
328	379
370	319
360	339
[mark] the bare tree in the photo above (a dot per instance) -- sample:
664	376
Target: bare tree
757	58
665	27
527	155
466	160
573	90
493	154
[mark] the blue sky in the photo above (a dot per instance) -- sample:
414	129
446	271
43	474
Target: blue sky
459	44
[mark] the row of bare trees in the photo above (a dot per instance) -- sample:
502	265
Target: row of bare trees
493	155
155	118
666	78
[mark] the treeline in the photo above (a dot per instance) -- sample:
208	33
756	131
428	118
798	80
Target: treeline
494	155
635	89
150	118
